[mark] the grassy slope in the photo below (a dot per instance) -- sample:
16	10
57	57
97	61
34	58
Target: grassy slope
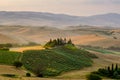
57	60
7	57
104	59
104	51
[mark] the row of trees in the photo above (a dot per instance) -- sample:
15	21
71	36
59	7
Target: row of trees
58	42
114	48
5	46
8	45
112	71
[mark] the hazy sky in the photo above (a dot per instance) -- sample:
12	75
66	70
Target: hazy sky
73	7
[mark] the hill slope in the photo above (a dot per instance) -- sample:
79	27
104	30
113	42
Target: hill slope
51	62
80	35
102	61
7	57
57	20
6	39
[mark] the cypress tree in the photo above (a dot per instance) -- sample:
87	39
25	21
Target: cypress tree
65	41
58	41
69	41
112	67
108	68
50	41
116	67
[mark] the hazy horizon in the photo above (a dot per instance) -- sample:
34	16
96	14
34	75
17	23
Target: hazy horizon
71	7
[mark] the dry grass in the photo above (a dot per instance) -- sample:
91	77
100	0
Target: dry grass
4	69
84	39
86	36
6	39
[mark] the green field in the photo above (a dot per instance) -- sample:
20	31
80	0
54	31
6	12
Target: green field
7	57
51	62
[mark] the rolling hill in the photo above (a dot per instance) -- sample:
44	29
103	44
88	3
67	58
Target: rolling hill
6	39
57	20
51	62
94	36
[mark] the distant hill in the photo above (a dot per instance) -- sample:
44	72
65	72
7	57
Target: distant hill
57	20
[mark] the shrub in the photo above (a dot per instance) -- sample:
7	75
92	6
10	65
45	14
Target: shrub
110	72
5	49
18	64
39	69
28	74
10	75
40	75
93	77
118	77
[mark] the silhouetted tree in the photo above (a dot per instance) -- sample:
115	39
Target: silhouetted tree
17	64
69	41
116	67
110	71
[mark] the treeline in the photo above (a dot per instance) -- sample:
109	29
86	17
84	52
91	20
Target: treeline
5	46
58	42
112	71
114	48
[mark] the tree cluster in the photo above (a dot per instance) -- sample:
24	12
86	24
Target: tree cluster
5	46
58	42
93	77
8	45
114	48
112	71
18	64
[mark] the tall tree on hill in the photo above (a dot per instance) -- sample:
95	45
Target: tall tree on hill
69	42
116	67
65	41
50	41
112	68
